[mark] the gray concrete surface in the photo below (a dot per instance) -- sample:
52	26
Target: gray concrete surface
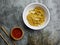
11	15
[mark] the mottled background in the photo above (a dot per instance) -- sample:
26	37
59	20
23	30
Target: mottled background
11	15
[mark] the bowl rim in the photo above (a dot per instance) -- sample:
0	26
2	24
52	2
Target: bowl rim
47	12
13	36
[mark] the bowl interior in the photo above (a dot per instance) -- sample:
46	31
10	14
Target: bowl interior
32	6
14	29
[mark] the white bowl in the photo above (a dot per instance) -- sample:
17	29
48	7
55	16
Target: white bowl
32	6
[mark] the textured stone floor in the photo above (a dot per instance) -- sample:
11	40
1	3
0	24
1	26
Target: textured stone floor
11	15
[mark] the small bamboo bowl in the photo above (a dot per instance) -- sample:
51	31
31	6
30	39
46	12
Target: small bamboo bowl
20	30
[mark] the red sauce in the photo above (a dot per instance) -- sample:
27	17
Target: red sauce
17	33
